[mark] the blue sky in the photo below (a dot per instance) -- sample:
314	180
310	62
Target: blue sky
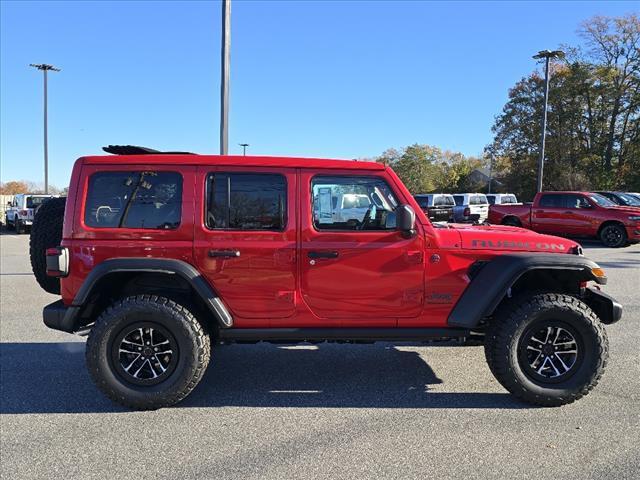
328	79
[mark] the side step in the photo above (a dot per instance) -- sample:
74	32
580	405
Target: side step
283	335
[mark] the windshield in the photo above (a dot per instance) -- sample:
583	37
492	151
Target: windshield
602	201
629	199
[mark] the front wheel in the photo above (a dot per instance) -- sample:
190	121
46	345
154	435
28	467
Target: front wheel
613	235
147	352
547	349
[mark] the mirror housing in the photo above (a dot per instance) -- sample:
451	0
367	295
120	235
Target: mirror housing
406	221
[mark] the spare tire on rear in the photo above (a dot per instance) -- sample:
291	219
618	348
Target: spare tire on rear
46	232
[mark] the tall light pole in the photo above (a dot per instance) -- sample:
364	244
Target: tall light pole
547	55
45	68
244	148
224	77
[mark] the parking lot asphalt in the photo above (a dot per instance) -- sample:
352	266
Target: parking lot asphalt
327	411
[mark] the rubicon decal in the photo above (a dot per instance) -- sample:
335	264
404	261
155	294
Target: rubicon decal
517	245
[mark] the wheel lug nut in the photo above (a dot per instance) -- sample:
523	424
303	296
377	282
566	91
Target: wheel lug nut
156	349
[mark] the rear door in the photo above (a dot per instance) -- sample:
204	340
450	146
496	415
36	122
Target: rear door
362	272
550	215
245	240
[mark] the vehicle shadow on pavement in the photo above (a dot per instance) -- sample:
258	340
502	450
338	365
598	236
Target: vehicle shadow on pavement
52	378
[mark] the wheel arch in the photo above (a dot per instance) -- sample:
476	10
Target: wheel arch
513	218
496	280
610	222
171	278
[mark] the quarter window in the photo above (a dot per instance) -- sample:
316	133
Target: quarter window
149	200
352	203
246	201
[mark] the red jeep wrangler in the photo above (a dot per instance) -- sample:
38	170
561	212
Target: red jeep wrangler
158	256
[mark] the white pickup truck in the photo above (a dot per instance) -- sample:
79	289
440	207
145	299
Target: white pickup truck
20	211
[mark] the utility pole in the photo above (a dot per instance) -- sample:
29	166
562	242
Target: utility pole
490	172
224	77
547	55
244	148
45	68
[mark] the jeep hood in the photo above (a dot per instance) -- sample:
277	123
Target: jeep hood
513	239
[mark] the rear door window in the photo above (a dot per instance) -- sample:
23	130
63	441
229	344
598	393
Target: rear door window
459	199
246	201
140	199
552	201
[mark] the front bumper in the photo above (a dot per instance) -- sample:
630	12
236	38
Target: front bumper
633	232
58	316
605	306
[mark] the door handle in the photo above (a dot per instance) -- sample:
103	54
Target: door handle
224	253
322	254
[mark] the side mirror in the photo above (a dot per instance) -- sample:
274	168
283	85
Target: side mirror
406	221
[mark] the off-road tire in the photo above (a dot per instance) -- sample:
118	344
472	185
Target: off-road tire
46	232
7	224
613	235
193	353
519	315
19	227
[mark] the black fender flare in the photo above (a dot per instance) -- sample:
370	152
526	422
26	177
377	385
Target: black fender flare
494	278
148	265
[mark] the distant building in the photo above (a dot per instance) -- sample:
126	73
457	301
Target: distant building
481	176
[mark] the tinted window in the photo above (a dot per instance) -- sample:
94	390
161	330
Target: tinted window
371	204
575	201
552	201
492	199
134	200
459	199
423	202
241	201
440	201
35	202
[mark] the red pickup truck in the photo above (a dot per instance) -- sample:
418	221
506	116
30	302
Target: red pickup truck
580	214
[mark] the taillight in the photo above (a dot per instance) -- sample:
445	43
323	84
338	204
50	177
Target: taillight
24	213
467	212
57	262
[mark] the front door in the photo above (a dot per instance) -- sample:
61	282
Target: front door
245	240
358	269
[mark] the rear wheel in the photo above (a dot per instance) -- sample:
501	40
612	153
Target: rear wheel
613	235
147	352
512	222
19	226
547	349
46	232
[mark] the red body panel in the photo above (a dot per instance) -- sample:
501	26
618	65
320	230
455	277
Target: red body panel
378	279
584	222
